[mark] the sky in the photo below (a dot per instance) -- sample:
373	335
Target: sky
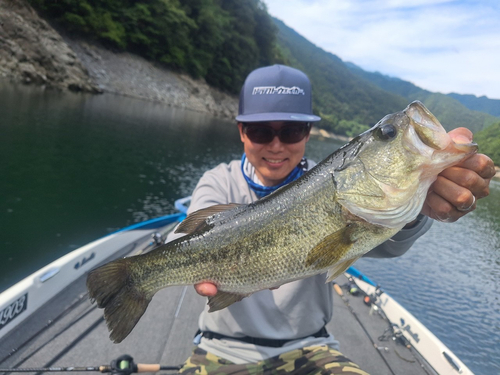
439	45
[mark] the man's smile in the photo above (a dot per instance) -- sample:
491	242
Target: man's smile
274	161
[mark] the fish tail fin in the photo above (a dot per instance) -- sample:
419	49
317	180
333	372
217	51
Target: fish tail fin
111	288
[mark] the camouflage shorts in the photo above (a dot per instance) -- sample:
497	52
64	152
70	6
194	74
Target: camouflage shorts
309	360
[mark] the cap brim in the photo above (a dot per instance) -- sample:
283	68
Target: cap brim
277	116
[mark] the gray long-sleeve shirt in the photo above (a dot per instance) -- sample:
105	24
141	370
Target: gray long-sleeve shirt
293	311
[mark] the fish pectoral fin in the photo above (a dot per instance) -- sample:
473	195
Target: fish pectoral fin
197	221
337	269
223	299
331	249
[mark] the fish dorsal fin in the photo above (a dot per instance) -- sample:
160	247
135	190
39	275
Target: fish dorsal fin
331	249
197	221
337	269
223	299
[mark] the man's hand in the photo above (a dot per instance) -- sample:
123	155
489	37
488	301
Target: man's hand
457	188
206	289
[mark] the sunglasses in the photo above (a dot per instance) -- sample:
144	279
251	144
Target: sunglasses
291	132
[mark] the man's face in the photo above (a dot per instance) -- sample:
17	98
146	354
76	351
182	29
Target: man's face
273	161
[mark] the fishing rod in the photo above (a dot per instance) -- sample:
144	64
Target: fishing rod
123	365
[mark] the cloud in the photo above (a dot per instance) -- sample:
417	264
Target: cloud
440	45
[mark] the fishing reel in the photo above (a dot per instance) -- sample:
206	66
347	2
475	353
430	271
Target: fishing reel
122	365
352	287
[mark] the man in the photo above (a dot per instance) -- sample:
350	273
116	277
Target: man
282	330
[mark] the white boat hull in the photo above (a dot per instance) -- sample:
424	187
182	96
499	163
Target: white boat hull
442	359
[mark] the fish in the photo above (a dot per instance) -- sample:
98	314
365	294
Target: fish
349	203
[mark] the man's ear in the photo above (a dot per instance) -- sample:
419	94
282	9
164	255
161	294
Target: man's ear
242	135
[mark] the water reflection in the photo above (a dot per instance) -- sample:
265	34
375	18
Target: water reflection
75	167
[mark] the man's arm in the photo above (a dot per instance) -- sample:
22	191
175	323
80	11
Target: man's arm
401	242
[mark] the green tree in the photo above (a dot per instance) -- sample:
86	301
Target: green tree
488	140
219	40
249	43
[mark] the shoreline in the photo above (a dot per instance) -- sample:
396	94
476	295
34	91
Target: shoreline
322	133
123	73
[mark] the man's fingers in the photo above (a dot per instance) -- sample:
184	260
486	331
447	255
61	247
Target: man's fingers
481	164
206	289
461	135
439	208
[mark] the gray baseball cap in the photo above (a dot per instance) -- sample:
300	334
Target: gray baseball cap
276	93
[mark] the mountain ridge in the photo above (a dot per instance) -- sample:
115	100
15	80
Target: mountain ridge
479	114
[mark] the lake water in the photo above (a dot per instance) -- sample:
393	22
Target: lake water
75	167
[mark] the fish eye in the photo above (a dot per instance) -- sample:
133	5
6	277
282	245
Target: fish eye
387	132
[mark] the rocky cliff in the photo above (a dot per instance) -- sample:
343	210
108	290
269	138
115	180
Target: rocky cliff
131	75
33	52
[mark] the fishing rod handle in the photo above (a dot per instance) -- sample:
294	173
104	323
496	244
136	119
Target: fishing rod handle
142	367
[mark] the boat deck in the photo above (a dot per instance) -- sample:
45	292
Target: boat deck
70	331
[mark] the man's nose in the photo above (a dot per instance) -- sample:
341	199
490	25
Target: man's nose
276	144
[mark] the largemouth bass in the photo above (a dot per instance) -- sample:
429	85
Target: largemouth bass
352	201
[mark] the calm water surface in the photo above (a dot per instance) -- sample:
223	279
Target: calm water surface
76	167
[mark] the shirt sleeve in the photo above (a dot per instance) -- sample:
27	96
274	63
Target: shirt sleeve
401	242
209	191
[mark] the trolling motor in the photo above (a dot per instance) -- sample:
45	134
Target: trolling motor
123	365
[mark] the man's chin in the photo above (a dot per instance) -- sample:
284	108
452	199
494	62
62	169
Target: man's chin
273	179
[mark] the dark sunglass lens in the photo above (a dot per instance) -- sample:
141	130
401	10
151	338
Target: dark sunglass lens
259	134
293	133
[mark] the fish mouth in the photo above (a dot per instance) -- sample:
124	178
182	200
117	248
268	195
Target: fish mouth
432	133
427	126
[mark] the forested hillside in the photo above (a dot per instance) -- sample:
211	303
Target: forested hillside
449	111
489	142
219	40
483	103
346	103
